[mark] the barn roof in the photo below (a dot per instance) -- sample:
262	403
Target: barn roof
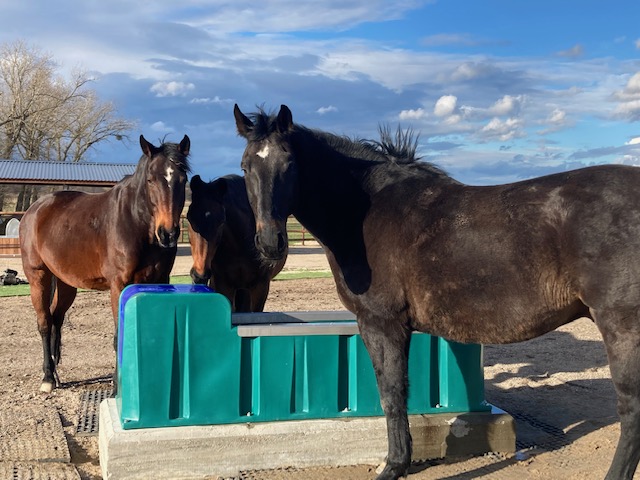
33	171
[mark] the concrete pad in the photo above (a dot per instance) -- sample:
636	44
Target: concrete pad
225	450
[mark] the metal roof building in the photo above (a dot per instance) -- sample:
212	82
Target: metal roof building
63	173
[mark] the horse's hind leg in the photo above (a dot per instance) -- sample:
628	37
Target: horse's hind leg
63	298
388	346
621	337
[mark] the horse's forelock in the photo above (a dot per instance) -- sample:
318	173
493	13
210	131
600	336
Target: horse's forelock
175	156
264	125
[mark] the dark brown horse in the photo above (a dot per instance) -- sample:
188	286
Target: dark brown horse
221	232
103	241
412	249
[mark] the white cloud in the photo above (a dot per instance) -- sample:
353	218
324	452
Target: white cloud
557	117
629	97
502	130
507	105
323	110
633	86
638	43
172	89
445	106
573	52
292	15
453	119
414	114
160	126
634	141
211	101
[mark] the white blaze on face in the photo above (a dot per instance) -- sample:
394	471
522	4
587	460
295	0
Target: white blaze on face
168	175
264	152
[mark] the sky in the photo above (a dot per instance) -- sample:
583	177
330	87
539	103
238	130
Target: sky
497	90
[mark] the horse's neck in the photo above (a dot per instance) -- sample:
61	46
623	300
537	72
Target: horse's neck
239	228
332	197
131	196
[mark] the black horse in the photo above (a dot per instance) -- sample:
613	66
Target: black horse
221	232
412	249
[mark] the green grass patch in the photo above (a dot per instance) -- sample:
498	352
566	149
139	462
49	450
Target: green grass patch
14	290
303	274
180	280
21	290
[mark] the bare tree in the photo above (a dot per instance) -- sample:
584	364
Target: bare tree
45	117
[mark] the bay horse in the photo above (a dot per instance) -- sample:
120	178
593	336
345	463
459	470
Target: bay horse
221	232
411	248
103	241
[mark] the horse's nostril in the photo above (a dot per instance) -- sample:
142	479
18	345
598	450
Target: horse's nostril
282	244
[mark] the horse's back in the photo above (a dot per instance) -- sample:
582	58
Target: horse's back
46	212
66	233
521	258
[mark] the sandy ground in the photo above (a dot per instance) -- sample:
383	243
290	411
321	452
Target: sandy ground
557	387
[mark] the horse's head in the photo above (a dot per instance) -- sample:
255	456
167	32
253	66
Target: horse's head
206	217
166	178
270	173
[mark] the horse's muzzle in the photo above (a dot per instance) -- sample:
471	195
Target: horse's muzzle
198	279
168	238
272	247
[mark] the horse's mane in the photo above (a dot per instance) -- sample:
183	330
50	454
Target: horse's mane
399	148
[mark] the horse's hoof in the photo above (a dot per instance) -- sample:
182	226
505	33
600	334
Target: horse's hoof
46	387
389	472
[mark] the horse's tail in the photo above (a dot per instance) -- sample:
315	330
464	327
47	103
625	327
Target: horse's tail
54	286
56	342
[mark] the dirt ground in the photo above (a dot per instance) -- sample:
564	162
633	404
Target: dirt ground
557	387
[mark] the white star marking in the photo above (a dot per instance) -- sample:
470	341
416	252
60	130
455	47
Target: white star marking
264	152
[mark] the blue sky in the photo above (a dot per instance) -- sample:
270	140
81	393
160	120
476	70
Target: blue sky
498	90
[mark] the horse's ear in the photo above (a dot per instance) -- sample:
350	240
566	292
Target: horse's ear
285	119
243	124
147	148
219	187
195	183
185	145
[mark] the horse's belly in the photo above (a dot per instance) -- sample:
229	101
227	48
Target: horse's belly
499	325
82	279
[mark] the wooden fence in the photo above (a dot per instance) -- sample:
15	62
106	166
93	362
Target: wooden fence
298	235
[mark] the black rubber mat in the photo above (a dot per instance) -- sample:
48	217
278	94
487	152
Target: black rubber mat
89	412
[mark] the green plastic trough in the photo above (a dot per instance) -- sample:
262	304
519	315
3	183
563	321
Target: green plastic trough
183	359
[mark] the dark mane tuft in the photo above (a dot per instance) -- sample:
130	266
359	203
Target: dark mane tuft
401	147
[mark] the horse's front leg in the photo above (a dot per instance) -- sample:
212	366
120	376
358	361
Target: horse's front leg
115	291
259	295
388	345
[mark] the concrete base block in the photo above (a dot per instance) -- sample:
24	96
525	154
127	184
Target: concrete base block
225	450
